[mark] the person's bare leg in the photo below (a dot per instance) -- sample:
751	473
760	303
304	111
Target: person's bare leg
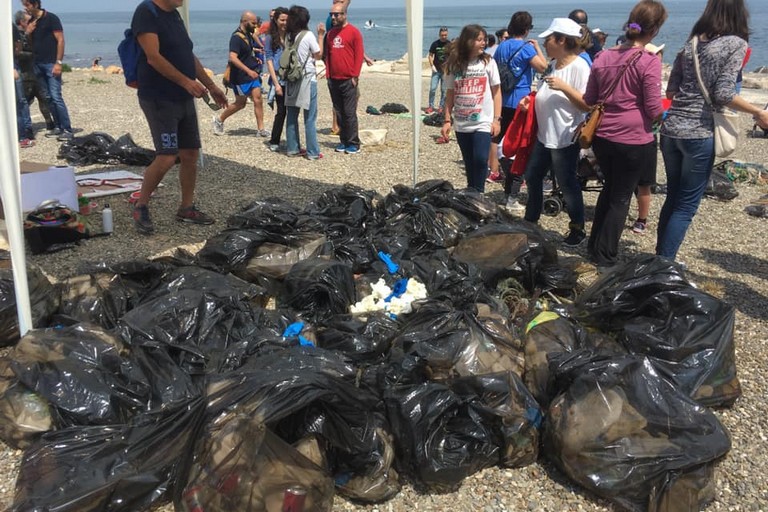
153	175
258	107
236	106
335	129
188	175
493	158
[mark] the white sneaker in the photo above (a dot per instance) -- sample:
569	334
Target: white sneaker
218	126
513	205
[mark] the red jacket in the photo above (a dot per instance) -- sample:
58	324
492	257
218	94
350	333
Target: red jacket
343	52
521	137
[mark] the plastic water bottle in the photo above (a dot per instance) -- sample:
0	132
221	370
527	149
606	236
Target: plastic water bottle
106	219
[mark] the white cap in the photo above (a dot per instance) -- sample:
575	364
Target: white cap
565	26
599	31
650	47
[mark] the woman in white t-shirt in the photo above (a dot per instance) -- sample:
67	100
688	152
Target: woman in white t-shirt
301	95
474	98
559	109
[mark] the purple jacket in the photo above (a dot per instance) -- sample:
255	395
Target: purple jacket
636	101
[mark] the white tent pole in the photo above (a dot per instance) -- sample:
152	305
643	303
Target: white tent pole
415	21
184	11
10	179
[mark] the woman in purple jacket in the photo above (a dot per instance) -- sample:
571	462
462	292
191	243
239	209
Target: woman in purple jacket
624	143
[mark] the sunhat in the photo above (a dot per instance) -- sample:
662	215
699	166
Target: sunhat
599	31
564	26
652	48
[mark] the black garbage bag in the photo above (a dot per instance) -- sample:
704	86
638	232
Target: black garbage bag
449	280
403	194
626	433
125	151
758	207
43	299
503	250
434	119
448	431
720	185
654	311
83	373
202	332
299	393
469	202
274	259
558	279
203	280
273	215
393	108
107	292
361	339
125	467
230	249
24	415
614	298
688	336
242	465
319	288
87	149
547	335
453	342
423	227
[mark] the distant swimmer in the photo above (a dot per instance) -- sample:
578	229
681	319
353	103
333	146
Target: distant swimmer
369	24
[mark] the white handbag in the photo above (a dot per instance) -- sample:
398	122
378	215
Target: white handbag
727	121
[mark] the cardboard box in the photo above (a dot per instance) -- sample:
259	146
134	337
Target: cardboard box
41	182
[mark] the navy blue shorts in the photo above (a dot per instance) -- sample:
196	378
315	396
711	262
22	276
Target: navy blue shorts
173	125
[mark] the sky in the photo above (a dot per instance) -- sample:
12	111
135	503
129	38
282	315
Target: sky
129	5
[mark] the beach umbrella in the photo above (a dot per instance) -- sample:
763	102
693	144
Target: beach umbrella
10	177
415	21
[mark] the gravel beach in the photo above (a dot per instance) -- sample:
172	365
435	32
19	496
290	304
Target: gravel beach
725	252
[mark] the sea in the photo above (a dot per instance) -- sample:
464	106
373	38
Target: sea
97	34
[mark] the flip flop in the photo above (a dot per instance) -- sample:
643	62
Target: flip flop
442	140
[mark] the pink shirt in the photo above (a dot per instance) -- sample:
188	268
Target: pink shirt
636	101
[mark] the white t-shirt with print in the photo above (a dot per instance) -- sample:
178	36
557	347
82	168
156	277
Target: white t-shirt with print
556	115
472	99
307	47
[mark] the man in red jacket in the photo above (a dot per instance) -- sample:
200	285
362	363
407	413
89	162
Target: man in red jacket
343	60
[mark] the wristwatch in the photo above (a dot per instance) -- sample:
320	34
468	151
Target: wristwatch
59	62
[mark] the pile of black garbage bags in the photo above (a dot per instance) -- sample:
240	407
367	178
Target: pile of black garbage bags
237	379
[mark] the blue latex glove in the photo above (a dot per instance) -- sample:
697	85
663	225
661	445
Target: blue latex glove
392	267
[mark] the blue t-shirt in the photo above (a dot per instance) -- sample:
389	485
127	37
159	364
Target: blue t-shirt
520	65
272	55
175	46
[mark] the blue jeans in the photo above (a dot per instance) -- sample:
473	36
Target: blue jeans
437	79
52	86
688	164
564	162
474	148
23	119
310	131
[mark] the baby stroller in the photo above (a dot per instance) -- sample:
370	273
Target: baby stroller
590	179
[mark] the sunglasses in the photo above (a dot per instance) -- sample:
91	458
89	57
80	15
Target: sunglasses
336	14
208	101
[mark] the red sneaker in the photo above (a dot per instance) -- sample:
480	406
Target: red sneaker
26	143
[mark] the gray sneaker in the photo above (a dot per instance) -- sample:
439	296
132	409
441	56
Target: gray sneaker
192	215
274	148
52	133
142	220
265	133
65	135
218	126
513	205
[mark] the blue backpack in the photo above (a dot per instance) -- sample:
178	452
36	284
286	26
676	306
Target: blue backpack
129	50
